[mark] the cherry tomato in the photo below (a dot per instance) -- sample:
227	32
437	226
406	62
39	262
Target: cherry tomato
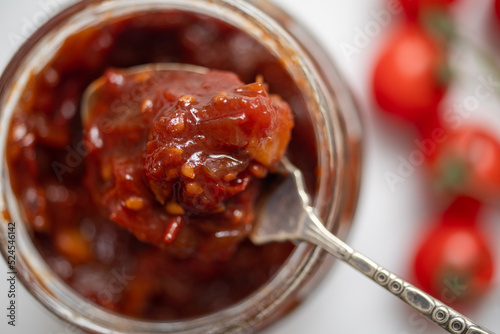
415	8
497	9
454	263
464	210
468	162
407	79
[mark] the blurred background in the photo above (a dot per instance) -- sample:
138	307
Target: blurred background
407	195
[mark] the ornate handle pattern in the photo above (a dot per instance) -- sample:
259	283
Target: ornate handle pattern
441	314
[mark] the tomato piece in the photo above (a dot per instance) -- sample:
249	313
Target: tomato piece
415	8
71	244
454	263
407	78
468	162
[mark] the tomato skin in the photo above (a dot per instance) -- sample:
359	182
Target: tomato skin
497	10
454	263
468	162
463	210
415	8
406	75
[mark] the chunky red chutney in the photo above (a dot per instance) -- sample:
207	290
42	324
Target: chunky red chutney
178	175
179	163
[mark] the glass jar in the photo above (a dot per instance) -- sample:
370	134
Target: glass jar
337	132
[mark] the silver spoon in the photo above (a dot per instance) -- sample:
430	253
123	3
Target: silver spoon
287	215
291	200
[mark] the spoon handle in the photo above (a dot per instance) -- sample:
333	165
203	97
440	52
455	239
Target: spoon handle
435	310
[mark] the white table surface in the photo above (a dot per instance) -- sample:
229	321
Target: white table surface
387	222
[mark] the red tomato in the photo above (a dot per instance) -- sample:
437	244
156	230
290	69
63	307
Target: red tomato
497	9
454	263
415	8
406	79
468	162
464	210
